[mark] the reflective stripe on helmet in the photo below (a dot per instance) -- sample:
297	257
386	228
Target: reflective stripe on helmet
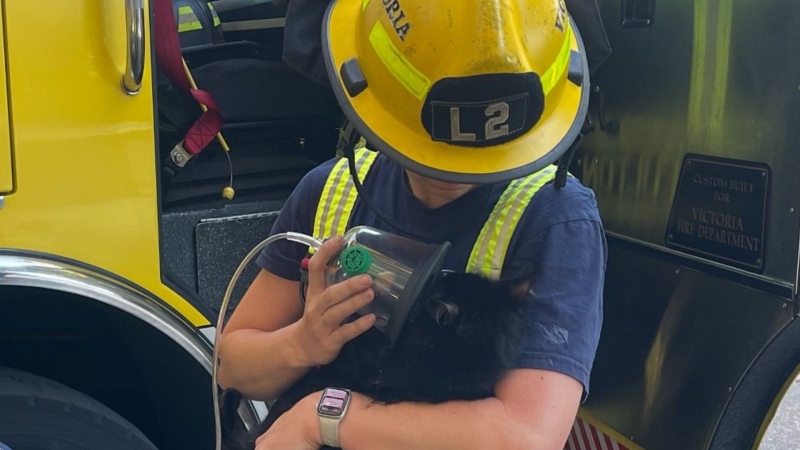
489	251
339	195
554	73
398	65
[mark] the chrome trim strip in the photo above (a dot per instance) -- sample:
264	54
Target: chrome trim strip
210	332
42	272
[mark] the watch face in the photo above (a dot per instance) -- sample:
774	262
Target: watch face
333	402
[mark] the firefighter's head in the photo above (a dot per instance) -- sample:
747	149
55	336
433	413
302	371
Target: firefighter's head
461	91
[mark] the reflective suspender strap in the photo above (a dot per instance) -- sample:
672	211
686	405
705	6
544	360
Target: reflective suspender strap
339	195
490	248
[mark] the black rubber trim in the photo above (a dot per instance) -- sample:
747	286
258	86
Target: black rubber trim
177	284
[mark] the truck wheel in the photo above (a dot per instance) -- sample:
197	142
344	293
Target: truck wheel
40	414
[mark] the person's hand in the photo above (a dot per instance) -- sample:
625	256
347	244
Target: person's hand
321	332
296	429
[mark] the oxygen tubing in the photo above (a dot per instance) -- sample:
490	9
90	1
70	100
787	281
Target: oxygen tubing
291	236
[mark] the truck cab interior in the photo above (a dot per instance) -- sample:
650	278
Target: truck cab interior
277	124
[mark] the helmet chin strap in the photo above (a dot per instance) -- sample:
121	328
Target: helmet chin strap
564	162
348	138
566	159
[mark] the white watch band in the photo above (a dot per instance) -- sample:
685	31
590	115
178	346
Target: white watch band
331	408
329	430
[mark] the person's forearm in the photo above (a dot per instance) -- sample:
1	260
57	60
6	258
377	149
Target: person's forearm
483	424
259	364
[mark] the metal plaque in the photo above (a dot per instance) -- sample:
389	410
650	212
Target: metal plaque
720	210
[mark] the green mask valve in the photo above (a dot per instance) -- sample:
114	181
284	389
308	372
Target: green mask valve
355	260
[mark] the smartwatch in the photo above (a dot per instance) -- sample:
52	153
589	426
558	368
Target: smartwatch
331	408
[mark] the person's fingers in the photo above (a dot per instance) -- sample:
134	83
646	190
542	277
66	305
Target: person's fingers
343	290
349	331
338	312
317	264
319	304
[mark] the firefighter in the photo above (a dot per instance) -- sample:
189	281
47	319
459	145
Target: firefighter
463	107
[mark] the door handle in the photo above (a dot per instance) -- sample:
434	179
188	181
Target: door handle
134	27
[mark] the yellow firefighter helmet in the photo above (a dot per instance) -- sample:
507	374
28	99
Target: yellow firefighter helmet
463	91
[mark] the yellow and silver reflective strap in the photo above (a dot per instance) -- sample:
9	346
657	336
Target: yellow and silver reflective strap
187	20
490	248
339	195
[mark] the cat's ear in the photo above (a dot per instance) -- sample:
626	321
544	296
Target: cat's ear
446	313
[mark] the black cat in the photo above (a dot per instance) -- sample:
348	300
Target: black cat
456	345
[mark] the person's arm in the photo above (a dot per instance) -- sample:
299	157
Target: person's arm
256	341
533	410
271	340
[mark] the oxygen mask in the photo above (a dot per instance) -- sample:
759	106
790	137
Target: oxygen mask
402	270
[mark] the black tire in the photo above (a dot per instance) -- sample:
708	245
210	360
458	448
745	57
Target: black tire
40	414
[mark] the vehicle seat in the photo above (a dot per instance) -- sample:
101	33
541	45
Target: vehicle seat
253	89
279	124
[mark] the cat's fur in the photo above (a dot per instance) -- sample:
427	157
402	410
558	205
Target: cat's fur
456	346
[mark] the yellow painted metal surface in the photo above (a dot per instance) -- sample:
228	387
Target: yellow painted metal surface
6	157
84	151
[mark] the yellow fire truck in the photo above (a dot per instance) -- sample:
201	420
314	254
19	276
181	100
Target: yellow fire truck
115	252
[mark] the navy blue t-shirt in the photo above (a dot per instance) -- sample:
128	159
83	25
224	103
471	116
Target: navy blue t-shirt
559	244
